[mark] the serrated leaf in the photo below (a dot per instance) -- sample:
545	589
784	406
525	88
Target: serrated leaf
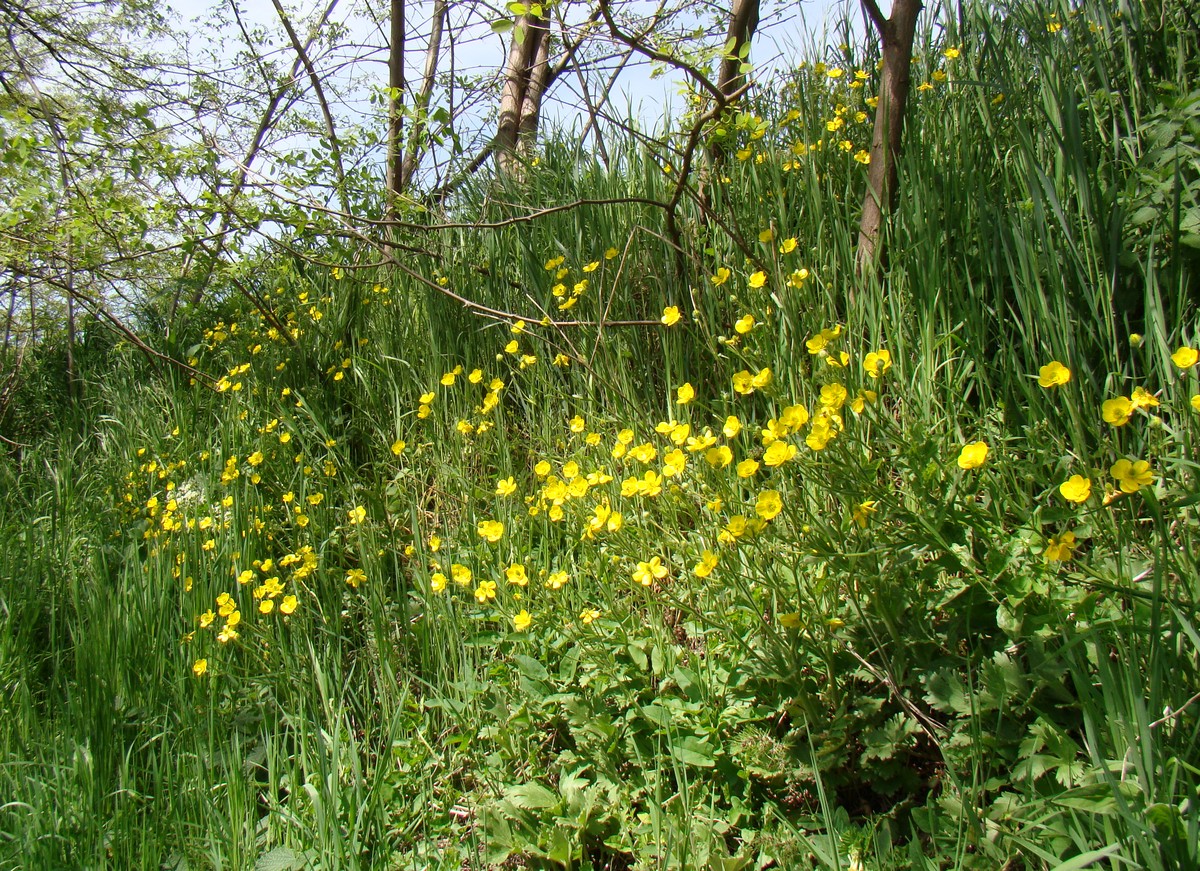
531	796
279	859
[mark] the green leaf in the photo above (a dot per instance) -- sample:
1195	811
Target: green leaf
531	796
516	8
502	25
1088	859
692	751
531	668
279	859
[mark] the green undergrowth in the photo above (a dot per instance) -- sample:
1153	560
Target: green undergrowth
757	563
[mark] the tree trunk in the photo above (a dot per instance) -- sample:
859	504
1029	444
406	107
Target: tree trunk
525	79
395	145
897	34
743	21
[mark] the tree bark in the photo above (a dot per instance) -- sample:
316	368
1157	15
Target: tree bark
883	184
395	147
525	79
743	21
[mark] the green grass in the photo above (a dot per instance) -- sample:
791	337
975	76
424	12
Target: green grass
914	686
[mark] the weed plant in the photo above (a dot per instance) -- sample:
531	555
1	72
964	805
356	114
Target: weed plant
762	563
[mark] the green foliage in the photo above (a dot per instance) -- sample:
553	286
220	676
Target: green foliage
502	600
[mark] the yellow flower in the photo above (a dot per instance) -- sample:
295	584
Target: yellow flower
426	398
315	498
577	424
516	574
557	580
1053	374
685	394
437	582
762	379
817	343
768	504
860	400
744	324
674	463
542	469
720	457
731	427
490	531
1060	548
747	468
1185	357
758	279
398	447
1076	489
448	379
708	562
743	383
356	577
588	615
476	376
778	453
1195	402
506	486
647	573
833	396
288	605
522	620
1143	398
787	246
460	574
485	592
877	362
357	514
671	316
863	511
973	455
1132	476
611	253
721	276
1117	411
255	459
199	667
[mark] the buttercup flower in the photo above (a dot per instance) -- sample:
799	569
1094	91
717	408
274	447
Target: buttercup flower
490	530
485	592
747	468
356	578
863	511
973	455
516	574
1131	476
671	316
1185	357
1060	548
506	486
708	562
199	667
1117	411
1053	374
877	362
522	620
685	394
1143	398
768	504
744	324
1076	489
647	573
